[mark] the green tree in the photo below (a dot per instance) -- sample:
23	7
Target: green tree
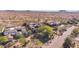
46	30
18	36
44	33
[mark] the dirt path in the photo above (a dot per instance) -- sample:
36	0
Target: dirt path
16	44
29	38
59	40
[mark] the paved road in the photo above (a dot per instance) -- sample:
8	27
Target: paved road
59	40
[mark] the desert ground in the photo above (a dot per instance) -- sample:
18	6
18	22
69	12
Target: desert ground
39	29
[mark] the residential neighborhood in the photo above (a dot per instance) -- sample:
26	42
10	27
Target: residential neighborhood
39	30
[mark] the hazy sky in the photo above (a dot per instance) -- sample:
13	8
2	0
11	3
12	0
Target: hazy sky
39	5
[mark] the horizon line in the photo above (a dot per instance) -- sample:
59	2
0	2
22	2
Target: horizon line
45	10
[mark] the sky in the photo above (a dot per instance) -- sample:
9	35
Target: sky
47	5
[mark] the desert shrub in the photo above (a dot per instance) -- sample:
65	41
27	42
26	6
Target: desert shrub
22	40
35	43
1	34
1	46
3	39
29	32
75	32
38	42
67	43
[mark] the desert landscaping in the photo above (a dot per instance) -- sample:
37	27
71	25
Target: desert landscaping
39	29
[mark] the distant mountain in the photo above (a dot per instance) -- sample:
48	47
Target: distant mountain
62	11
